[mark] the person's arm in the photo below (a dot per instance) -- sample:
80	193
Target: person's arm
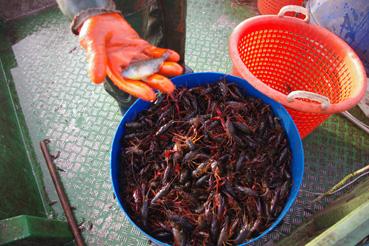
78	11
112	45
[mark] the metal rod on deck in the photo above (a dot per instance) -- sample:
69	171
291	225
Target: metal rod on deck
61	194
356	121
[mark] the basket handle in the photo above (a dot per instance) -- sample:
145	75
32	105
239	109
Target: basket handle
311	96
297	9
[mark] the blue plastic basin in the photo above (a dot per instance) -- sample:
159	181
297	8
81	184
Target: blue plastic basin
198	79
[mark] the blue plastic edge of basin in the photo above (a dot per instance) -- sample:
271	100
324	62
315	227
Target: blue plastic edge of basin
198	79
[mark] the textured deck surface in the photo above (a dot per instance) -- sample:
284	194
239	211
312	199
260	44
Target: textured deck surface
60	103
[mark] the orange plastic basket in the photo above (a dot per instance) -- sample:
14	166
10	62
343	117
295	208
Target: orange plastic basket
308	69
272	7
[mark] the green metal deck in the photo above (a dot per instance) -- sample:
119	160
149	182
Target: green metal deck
59	102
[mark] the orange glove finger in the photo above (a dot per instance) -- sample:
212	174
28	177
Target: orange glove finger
170	69
132	87
161	83
156	52
97	59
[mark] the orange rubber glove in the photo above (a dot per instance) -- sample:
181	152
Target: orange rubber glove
112	45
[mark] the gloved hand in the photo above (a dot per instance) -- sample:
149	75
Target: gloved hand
112	45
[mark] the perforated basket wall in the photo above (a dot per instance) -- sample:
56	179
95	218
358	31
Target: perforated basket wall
287	55
272	7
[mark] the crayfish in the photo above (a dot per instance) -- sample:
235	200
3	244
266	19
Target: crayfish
205	166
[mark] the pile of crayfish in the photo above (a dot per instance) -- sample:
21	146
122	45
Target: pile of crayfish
205	166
